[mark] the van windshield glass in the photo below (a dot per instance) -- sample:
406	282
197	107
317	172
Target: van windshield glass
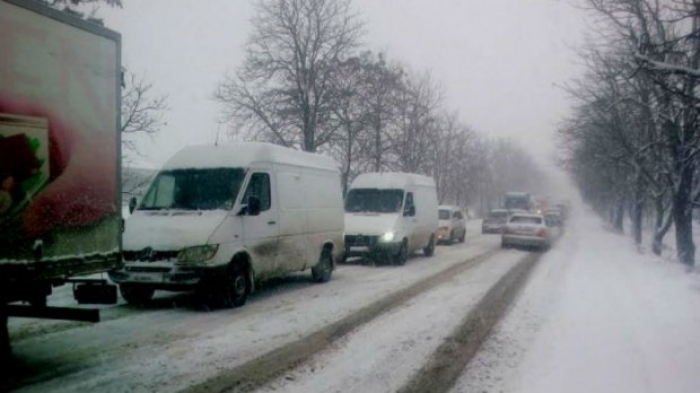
194	189
373	200
444	214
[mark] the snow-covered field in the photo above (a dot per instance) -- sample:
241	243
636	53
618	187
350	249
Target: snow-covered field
597	316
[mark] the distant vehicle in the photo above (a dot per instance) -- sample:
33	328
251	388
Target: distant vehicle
391	215
495	221
555	215
518	200
526	230
452	225
217	219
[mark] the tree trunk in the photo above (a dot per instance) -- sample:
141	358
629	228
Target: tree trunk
661	226
637	215
683	217
638	211
619	216
377	144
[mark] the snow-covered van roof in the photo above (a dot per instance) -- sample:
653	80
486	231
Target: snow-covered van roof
391	180
244	154
448	207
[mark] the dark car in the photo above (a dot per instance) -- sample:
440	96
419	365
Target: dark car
495	221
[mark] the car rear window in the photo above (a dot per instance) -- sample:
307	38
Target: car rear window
526	220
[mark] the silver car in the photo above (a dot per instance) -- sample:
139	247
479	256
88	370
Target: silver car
526	230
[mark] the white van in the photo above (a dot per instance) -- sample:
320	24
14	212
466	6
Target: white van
217	219
390	215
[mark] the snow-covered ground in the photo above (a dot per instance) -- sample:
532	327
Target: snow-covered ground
597	316
173	344
382	355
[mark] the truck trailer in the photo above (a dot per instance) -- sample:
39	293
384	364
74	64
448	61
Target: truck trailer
60	196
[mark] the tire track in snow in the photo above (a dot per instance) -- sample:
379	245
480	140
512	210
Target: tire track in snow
271	365
447	363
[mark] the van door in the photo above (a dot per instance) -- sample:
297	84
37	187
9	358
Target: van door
410	223
261	231
293	229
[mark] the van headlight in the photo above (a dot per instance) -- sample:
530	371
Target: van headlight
197	253
387	237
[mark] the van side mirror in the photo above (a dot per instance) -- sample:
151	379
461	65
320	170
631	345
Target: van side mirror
132	204
410	211
254	206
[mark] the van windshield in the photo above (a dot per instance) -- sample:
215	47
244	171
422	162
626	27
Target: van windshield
444	214
194	189
373	200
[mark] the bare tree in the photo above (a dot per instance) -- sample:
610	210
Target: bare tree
282	93
653	110
142	111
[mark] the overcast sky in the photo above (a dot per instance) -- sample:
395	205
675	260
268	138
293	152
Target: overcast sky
499	61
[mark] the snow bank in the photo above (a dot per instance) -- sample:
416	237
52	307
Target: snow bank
596	317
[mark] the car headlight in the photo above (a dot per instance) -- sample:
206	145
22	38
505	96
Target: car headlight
197	254
387	237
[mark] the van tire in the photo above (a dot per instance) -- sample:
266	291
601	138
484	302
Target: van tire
235	288
323	270
464	236
401	256
429	250
136	294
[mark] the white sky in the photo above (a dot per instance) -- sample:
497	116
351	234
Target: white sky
498	60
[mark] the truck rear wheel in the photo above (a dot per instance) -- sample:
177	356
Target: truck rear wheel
5	349
136	294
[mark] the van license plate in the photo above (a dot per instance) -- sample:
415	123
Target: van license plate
140	277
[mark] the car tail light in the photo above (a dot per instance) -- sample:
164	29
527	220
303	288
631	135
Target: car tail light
542	233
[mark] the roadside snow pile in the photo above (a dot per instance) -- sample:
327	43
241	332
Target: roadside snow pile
596	317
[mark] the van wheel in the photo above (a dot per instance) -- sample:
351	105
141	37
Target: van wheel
429	250
401	257
136	294
235	287
323	270
464	236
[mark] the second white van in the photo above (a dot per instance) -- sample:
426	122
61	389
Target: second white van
216	219
390	216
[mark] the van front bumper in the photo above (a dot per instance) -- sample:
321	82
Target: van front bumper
160	275
364	246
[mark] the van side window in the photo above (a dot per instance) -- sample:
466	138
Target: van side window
458	215
409	204
259	186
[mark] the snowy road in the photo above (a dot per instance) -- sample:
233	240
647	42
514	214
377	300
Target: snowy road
173	344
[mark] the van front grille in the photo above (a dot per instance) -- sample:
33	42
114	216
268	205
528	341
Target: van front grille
149	255
360	240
